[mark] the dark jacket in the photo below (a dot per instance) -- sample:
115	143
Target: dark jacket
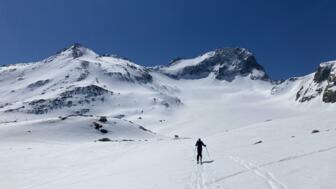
199	144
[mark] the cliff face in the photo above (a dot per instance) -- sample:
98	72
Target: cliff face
322	84
224	64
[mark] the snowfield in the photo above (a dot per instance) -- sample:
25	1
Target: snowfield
258	135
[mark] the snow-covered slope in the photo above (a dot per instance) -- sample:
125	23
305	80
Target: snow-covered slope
78	81
259	132
318	86
224	64
73	128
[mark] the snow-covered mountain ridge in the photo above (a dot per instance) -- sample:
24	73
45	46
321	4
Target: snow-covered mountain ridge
225	64
79	80
316	86
78	69
76	80
83	120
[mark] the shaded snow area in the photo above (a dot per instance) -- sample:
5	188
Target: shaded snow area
81	120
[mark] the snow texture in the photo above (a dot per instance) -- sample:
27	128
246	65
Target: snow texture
81	120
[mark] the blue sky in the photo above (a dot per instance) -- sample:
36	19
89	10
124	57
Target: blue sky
289	38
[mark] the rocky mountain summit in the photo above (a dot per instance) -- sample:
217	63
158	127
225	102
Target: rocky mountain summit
322	84
76	80
225	64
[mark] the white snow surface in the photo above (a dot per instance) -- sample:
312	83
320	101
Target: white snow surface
177	66
257	136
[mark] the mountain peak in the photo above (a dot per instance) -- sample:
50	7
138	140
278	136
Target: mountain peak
227	51
330	64
224	64
76	50
232	50
77	45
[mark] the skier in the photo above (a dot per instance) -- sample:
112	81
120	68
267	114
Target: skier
199	145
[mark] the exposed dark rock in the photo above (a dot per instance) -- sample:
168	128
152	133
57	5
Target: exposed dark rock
230	62
4	105
172	62
144	129
116	56
14	109
258	142
104	131
118	76
69	103
315	131
82	111
97	125
302	94
62	118
329	96
293	79
166	104
127	140
119	116
322	74
324	82
83	76
78	95
104	140
15	121
103	119
87	91
76	50
84	65
143	77
37	84
123	140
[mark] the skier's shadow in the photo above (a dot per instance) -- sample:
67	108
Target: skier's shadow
210	161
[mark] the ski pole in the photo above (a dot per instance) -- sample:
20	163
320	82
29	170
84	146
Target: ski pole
208	153
194	154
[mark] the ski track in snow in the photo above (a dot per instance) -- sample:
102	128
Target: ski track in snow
200	177
200	183
300	156
207	107
266	175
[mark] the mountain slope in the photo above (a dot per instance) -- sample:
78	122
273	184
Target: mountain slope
318	86
78	81
56	113
224	64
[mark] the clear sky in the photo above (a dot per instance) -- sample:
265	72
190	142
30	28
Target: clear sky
288	37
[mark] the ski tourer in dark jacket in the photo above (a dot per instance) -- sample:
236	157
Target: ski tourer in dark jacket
199	145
